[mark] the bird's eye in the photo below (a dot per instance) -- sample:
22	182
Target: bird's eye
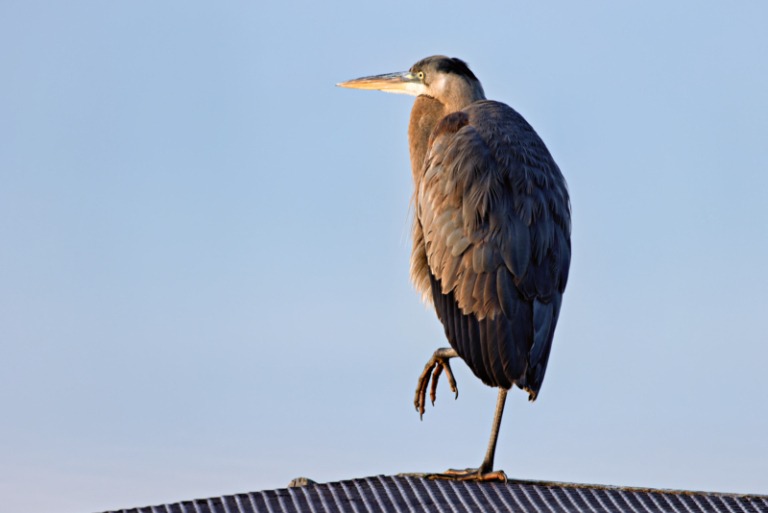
420	74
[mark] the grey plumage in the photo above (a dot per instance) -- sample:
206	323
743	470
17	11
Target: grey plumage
493	239
491	231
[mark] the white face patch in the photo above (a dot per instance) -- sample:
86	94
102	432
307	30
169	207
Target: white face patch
413	89
439	84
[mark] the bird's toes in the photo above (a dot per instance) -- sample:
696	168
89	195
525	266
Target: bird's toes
470	474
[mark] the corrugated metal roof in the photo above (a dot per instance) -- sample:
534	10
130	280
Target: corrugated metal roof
396	494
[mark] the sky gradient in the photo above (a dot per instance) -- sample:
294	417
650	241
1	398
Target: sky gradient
204	262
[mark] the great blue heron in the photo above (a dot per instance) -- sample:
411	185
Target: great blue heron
491	233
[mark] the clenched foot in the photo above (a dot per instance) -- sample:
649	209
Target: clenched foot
432	370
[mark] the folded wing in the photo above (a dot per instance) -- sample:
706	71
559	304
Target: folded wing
492	242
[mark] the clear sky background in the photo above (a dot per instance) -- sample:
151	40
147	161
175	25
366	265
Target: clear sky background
204	246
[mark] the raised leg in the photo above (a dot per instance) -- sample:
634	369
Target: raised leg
432	370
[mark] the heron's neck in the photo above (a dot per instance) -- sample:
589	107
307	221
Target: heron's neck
425	115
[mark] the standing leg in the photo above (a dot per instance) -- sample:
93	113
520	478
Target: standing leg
485	472
487	465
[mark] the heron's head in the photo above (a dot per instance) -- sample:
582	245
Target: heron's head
447	79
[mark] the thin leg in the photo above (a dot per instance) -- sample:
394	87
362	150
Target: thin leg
485	472
487	465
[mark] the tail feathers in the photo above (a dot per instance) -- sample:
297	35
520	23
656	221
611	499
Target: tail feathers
545	317
542	326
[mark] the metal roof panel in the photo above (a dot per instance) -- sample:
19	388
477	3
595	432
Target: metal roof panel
411	494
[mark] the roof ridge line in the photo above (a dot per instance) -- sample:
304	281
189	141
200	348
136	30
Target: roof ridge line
565	484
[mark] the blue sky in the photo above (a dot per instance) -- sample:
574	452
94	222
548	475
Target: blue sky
204	260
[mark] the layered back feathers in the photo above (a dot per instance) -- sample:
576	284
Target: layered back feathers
491	237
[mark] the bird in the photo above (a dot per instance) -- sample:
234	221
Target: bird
491	235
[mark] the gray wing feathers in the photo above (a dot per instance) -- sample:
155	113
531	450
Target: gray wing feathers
484	205
506	292
543	322
545	317
515	245
493	222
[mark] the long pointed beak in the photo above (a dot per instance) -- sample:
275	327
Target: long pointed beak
400	83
